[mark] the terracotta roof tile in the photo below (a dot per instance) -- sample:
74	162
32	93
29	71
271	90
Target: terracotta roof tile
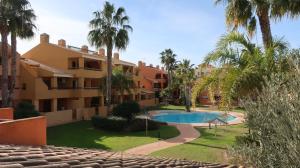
66	157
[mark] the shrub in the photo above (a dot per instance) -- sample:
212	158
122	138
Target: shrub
110	124
274	123
25	110
140	125
126	110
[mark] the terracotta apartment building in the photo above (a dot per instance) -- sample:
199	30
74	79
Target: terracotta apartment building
65	83
154	79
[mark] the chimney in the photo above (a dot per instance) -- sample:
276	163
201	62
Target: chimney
140	63
157	66
85	49
62	43
102	52
44	38
116	56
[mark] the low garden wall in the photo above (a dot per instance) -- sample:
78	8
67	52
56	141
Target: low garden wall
30	131
6	114
146	103
58	117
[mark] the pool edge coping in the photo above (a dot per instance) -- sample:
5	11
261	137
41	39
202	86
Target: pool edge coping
239	117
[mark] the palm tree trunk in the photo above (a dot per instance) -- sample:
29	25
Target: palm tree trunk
4	62
187	101
264	22
13	68
108	80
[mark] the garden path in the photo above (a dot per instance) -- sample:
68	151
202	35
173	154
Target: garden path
187	134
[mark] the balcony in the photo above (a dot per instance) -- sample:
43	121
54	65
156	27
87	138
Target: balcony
93	65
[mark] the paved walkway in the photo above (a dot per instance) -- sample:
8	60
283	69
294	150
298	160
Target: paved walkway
187	134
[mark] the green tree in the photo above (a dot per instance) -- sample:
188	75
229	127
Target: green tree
127	110
25	110
242	66
185	75
168	59
110	29
121	81
245	13
22	26
16	17
5	15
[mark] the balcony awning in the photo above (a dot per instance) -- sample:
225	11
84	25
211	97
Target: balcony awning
96	57
120	62
47	70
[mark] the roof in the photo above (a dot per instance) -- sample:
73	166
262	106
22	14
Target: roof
65	157
55	71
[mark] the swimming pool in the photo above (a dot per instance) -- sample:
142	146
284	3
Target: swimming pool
171	116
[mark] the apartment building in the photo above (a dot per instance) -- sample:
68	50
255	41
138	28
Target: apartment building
154	79
66	83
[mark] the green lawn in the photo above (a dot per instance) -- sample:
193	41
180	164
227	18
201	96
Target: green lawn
83	135
208	147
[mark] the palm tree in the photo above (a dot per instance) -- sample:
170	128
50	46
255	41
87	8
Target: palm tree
109	28
168	59
246	12
121	81
243	66
185	73
5	13
21	25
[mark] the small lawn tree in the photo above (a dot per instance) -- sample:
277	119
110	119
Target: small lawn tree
25	110
127	110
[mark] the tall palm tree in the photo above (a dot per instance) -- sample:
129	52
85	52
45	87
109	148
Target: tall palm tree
121	81
168	59
186	74
5	12
22	26
246	12
243	66
109	28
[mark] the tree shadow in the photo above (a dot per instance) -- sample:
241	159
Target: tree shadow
205	145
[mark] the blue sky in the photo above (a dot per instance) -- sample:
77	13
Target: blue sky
190	27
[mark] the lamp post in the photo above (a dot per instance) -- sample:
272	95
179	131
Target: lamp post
146	115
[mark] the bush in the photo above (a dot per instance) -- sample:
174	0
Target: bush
118	125
140	125
127	110
110	124
25	110
273	120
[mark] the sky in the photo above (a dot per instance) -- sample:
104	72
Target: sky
191	28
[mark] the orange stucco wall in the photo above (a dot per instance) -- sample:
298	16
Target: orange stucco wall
6	113
30	131
149	76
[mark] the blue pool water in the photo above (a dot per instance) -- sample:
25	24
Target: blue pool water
191	117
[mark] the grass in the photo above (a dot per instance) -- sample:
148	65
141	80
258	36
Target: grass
82	134
207	147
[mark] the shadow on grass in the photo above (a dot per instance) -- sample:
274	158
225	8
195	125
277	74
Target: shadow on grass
205	145
82	134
